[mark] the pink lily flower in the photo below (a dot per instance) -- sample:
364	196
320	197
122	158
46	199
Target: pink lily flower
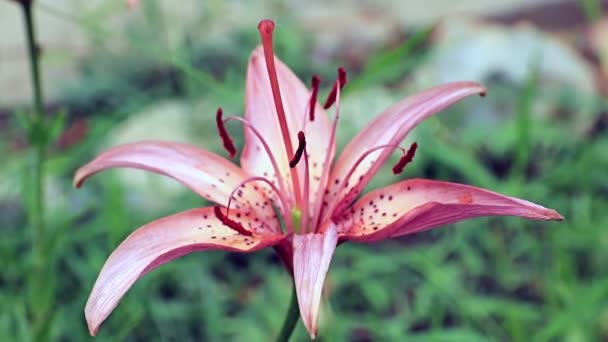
288	169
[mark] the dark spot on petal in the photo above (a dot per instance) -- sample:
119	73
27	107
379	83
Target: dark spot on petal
465	198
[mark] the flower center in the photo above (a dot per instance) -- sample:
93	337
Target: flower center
296	210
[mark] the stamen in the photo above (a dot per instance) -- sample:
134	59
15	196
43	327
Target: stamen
273	161
234	225
280	196
266	27
226	139
339	207
306	193
298	155
341	82
312	103
318	209
406	159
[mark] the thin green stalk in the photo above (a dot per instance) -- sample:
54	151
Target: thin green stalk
33	53
37	129
40	292
291	318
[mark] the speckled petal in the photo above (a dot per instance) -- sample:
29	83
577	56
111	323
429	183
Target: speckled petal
389	128
209	175
419	204
163	240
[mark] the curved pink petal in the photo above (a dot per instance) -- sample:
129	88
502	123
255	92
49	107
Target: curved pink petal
311	257
390	127
419	204
161	241
209	175
261	113
206	173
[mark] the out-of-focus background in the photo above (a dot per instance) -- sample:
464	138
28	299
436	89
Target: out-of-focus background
158	70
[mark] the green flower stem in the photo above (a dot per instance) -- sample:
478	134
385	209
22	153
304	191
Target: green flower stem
40	303
291	319
34	53
37	131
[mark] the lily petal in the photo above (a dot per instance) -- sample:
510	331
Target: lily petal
209	175
261	113
420	204
389	128
206	173
161	241
311	258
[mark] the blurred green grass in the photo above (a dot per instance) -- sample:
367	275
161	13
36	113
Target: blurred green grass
488	279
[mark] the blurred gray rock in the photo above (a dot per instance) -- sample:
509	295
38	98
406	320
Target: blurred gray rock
503	58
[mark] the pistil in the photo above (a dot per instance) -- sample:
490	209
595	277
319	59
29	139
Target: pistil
266	27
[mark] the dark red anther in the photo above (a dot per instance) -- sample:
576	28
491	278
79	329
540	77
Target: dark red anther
312	103
406	159
226	139
236	226
301	146
341	82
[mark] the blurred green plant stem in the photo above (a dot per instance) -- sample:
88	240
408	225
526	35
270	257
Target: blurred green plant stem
38	140
291	318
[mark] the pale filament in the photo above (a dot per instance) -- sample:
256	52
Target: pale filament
344	183
306	202
281	198
326	163
273	161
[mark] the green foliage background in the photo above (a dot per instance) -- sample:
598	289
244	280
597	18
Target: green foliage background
492	279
